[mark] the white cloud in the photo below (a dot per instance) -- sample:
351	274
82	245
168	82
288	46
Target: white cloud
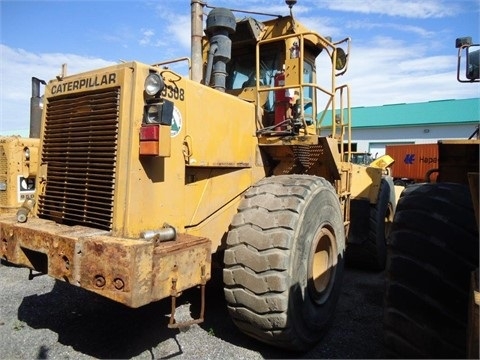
427	65
147	36
409	9
323	25
387	71
179	29
377	76
402	73
18	67
174	39
122	36
416	30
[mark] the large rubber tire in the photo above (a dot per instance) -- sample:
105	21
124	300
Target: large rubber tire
433	248
369	250
284	261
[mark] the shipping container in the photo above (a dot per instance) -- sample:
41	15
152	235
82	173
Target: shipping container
412	162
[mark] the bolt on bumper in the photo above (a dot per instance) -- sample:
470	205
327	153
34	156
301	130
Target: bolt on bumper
133	272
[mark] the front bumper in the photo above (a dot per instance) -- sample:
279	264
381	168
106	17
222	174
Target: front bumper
133	272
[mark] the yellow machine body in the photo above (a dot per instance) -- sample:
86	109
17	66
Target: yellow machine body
18	167
133	210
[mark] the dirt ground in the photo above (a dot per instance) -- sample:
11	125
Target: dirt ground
47	319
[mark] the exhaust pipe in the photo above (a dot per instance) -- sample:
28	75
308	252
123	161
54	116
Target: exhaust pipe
36	108
196	39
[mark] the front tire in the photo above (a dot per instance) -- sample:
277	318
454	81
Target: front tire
284	260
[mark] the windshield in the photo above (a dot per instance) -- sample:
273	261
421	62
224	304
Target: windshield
362	159
241	70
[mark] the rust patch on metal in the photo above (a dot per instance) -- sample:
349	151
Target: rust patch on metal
133	272
181	260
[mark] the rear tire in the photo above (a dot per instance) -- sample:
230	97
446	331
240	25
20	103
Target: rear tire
284	261
432	250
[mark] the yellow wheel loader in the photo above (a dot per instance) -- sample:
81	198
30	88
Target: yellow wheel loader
18	165
144	173
19	161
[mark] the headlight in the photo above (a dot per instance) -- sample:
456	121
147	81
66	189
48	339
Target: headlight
151	114
161	113
154	84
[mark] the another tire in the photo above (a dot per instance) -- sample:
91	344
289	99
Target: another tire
432	250
284	261
370	228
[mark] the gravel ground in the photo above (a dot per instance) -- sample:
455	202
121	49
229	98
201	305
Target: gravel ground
48	319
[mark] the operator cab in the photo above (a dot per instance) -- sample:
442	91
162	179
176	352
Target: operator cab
272	64
273	69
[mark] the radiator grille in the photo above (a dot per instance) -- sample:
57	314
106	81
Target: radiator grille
79	148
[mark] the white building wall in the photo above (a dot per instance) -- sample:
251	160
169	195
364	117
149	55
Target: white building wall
374	139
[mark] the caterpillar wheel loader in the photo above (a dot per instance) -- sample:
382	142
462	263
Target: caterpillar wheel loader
432	298
144	173
18	161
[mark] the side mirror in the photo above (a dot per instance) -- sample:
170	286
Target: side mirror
471	54
341	59
340	55
473	62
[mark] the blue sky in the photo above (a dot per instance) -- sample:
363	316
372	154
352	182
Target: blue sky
402	50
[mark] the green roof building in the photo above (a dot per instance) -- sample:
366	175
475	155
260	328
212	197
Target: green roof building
415	123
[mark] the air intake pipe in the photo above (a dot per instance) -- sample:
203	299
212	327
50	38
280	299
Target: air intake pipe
220	23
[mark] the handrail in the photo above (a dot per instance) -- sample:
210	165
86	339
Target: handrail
331	49
187	59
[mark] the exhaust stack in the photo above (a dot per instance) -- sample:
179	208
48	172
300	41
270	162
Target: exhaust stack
196	40
36	108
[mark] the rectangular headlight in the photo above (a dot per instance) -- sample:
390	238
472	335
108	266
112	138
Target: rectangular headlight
158	113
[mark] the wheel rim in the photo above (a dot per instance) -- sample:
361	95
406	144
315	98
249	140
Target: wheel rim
322	262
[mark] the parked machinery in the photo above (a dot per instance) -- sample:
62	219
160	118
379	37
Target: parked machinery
18	166
19	159
432	298
144	174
